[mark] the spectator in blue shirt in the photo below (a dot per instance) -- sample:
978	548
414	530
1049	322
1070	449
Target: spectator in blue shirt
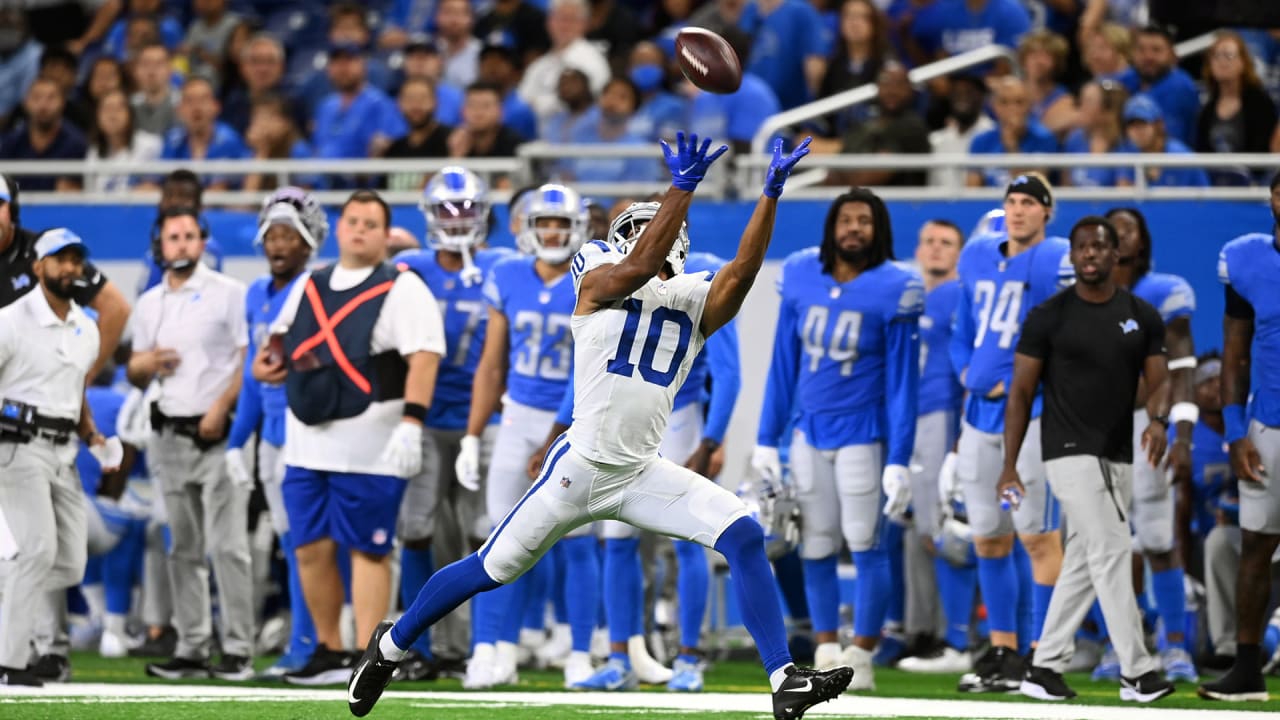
789	48
1015	132
499	66
19	61
261	64
1144	129
199	135
1101	131
661	113
735	117
952	27
1106	51
170	29
422	61
356	120
348	28
608	122
574	92
1043	56
1155	73
44	135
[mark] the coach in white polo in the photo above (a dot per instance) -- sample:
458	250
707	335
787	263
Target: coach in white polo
47	345
189	335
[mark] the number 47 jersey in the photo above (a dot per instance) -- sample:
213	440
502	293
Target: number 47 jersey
630	359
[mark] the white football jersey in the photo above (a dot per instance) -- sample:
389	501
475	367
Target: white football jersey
630	359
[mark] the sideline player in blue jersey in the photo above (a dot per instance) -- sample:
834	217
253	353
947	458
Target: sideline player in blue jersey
846	356
1249	266
291	228
932	574
455	205
607	465
1002	277
525	368
1152	509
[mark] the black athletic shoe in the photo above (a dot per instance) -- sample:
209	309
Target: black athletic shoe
52	669
1236	686
165	645
179	669
326	667
233	667
806	687
1147	687
372	674
1045	684
416	666
999	670
15	676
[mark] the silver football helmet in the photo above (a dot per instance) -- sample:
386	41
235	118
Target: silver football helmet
552	201
630	223
298	209
990	224
455	204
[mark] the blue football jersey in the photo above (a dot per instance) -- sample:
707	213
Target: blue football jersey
996	294
846	357
1251	265
105	404
258	403
939	385
1169	294
719	359
1213	487
540	338
465	320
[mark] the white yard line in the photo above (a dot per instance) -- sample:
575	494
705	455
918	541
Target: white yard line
846	706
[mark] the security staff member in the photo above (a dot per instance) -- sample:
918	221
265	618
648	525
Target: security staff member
92	289
1088	345
357	345
190	333
47	345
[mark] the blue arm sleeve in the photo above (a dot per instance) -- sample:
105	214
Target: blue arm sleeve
962	334
564	416
726	380
902	382
779	394
248	409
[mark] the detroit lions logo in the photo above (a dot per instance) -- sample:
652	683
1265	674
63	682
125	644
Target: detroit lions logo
1129	326
21	281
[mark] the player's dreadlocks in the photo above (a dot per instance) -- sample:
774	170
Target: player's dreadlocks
1142	264
881	243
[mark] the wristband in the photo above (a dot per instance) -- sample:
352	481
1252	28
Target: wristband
1184	412
416	411
1183	363
1237	423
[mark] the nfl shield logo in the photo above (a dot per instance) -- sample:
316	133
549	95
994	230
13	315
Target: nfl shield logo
565	482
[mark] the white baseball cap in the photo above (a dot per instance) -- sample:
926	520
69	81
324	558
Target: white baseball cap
54	241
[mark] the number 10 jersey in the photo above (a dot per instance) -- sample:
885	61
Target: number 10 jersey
630	358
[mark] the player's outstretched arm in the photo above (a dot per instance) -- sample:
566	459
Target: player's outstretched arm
732	283
608	283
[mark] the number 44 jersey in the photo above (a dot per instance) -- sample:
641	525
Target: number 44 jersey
630	358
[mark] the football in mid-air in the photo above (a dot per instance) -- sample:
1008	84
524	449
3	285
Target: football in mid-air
708	60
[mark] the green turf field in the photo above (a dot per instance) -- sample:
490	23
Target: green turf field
119	689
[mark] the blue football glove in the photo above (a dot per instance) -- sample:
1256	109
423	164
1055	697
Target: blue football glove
781	167
689	163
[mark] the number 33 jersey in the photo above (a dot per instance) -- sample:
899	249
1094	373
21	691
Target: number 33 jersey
630	359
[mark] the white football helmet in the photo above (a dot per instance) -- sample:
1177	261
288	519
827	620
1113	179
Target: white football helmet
298	209
553	201
991	224
626	229
455	204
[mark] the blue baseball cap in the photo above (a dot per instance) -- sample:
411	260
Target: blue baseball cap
54	241
1142	108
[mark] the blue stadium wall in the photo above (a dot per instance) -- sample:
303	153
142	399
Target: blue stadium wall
1187	234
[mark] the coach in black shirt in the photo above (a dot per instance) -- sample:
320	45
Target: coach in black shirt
17	278
1087	346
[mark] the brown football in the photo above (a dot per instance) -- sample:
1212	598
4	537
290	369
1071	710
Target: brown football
708	60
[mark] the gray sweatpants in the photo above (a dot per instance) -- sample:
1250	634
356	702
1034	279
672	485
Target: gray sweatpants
208	516
1221	566
44	540
1096	564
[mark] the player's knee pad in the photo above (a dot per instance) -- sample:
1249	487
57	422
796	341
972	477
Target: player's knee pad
1152	521
817	542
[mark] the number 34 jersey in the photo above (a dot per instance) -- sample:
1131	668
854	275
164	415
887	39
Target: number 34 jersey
630	359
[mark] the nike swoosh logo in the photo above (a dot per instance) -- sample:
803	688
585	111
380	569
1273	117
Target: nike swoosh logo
355	680
688	169
808	685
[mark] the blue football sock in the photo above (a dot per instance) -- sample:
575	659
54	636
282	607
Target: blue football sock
1026	605
621	657
513	614
871	601
891	540
822	592
1171	599
998	578
540	578
742	545
623	586
693	584
122	569
790	573
486	616
416	567
302	630
557	593
582	568
446	590
956	586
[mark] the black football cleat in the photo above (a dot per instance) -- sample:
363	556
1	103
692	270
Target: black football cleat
371	676
806	687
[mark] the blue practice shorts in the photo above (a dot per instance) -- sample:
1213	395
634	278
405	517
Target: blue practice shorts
355	509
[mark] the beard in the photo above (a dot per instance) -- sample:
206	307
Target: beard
63	287
854	256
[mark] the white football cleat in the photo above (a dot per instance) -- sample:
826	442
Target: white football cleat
555	651
577	668
864	675
948	660
504	668
827	656
480	668
648	670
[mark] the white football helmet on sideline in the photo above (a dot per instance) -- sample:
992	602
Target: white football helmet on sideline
298	209
455	204
553	201
626	229
991	224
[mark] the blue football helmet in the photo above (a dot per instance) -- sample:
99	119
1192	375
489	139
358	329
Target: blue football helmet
455	204
553	201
